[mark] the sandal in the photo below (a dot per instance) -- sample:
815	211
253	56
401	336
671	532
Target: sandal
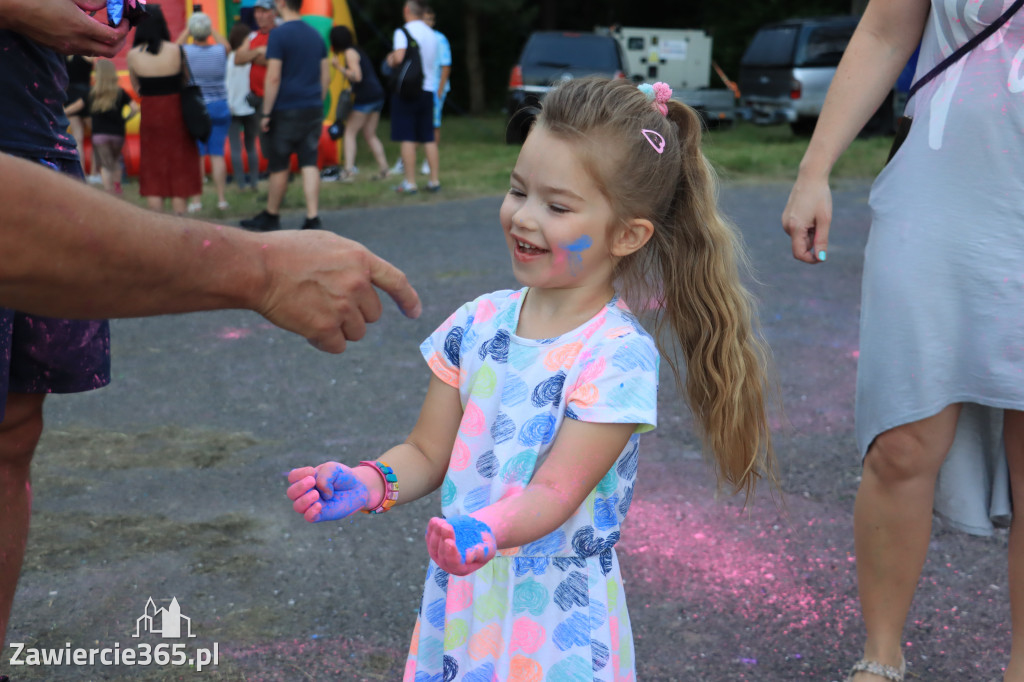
886	672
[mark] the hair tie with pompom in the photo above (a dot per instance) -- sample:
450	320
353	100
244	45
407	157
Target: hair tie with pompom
658	95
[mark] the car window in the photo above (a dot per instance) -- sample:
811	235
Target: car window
772	47
824	45
565	52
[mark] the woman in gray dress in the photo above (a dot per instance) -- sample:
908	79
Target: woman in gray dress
940	379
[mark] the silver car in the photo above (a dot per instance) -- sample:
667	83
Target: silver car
788	66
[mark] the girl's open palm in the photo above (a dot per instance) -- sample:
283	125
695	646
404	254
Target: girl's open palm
444	549
326	493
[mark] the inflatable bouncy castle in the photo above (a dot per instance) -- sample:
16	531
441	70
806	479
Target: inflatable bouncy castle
320	14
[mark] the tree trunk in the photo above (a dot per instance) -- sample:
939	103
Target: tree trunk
474	64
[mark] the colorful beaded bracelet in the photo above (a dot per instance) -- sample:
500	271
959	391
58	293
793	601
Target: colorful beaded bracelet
390	486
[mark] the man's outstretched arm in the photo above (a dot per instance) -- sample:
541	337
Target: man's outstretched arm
68	250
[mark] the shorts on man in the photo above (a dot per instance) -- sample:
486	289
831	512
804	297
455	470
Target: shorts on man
412	120
294	131
51	355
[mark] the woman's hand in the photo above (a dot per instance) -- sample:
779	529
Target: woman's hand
460	545
807	217
328	492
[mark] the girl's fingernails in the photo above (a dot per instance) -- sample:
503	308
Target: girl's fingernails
822	255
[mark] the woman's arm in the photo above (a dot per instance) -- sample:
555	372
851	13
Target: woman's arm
182	37
879	49
221	40
72	108
353	68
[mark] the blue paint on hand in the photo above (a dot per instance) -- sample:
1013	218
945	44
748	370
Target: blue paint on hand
469	532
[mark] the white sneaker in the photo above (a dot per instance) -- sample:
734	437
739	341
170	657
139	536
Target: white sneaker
425	168
94	179
398	168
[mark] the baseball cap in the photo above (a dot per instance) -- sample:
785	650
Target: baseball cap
265	4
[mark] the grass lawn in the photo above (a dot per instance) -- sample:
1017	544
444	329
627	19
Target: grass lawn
475	162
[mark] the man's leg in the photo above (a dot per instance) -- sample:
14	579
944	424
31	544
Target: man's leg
19	434
311	189
433	161
276	190
408	150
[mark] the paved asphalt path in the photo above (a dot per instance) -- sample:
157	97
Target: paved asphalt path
170	483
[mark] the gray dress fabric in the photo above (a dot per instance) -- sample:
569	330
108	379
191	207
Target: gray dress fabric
942	301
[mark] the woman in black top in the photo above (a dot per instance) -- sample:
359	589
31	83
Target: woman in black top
369	97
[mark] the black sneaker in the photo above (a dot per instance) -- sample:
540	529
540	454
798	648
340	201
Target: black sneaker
262	222
312	224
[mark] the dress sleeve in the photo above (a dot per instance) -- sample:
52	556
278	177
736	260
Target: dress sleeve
617	383
443	349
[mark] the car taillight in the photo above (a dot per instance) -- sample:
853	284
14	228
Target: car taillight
515	79
619	74
794	89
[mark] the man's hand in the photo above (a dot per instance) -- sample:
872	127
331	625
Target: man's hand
64	25
321	286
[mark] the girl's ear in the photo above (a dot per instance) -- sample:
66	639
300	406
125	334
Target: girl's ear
631	236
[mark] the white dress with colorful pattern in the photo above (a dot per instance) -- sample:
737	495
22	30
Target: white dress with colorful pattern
553	610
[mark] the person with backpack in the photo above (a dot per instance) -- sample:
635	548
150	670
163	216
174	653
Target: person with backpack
412	108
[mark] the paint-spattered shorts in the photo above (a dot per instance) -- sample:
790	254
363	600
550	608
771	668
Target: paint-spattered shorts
49	355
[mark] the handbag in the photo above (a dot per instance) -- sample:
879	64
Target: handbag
193	108
904	122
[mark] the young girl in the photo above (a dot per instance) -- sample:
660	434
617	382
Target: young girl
531	420
107	101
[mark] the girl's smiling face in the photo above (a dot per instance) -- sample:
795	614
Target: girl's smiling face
557	222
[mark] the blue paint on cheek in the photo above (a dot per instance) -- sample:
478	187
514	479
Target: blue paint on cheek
468	533
576	250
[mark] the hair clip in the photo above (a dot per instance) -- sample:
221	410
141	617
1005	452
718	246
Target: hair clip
658	95
659	146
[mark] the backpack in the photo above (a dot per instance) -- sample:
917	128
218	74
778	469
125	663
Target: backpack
407	77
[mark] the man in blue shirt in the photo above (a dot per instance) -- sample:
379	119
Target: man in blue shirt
293	94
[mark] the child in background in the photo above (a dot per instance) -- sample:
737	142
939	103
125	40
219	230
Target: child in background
245	122
107	101
531	420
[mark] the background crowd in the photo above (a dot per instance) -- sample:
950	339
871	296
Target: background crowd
264	87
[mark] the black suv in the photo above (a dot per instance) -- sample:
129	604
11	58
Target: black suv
552	56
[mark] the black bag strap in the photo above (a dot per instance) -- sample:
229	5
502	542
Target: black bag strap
412	41
966	47
186	73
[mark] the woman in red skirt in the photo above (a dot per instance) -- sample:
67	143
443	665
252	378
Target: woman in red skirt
168	157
